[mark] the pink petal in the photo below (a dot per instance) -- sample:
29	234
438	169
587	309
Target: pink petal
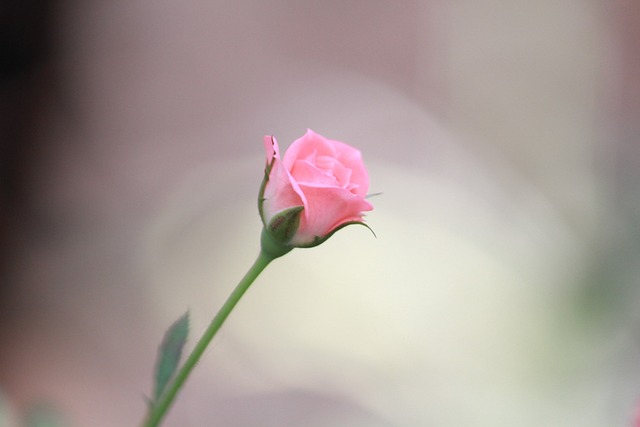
335	168
315	147
308	147
306	173
271	148
281	191
326	209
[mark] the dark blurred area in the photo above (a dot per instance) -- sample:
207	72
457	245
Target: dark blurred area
27	82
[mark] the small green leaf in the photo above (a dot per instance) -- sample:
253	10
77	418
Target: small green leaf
169	354
7	416
44	415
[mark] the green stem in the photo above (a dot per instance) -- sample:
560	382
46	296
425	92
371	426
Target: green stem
160	408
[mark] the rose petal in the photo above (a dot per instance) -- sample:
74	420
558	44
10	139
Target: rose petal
281	191
305	172
313	147
308	147
334	167
351	159
271	148
326	209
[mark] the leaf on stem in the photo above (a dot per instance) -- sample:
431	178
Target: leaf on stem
169	354
44	415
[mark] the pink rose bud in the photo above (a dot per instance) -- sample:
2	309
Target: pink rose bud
319	187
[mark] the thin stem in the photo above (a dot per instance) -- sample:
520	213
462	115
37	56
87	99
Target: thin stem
160	408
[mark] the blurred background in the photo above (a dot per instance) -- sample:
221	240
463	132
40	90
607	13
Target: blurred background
502	288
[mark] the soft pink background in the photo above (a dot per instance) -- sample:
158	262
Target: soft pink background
502	289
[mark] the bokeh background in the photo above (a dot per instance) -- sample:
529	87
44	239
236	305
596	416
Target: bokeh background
501	290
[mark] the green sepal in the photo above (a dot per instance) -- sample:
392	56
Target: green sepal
321	239
169	354
263	186
271	248
284	225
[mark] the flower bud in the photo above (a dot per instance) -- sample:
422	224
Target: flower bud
319	187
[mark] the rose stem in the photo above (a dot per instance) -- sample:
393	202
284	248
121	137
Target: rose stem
160	408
